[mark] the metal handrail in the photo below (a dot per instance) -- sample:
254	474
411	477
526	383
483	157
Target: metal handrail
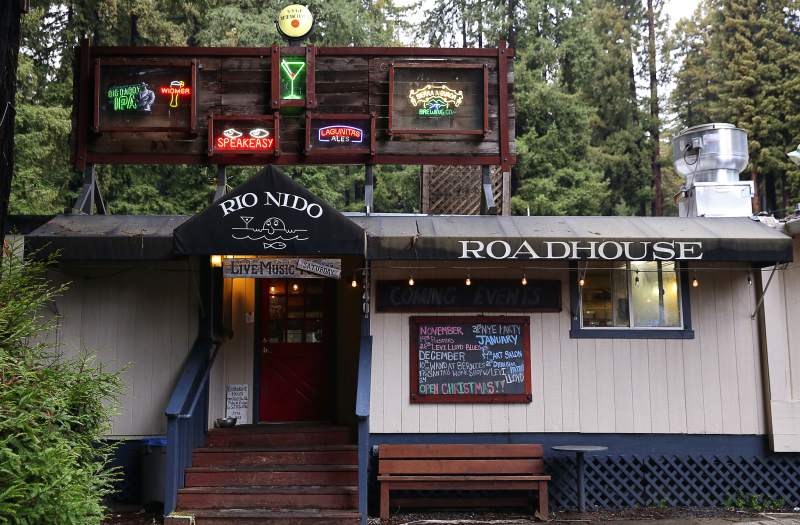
362	414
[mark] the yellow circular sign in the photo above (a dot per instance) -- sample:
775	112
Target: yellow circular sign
295	21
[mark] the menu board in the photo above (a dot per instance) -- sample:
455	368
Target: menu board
470	359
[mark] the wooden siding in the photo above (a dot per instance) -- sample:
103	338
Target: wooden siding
781	315
707	385
140	318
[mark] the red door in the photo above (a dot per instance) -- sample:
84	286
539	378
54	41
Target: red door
296	350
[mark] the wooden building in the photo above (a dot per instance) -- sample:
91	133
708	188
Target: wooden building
327	335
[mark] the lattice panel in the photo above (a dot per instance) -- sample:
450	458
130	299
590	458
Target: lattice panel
456	190
698	481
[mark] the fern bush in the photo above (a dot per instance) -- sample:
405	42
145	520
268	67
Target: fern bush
54	410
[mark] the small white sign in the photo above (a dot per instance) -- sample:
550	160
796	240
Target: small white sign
320	267
237	398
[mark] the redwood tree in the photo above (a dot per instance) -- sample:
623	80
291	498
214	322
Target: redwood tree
10	12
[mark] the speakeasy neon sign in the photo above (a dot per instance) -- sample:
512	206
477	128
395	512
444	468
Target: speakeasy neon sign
437	100
175	90
257	139
131	97
340	133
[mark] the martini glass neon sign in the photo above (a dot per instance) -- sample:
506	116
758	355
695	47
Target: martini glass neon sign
290	70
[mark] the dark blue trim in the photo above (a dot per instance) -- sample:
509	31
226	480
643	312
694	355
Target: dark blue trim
578	332
257	352
618	444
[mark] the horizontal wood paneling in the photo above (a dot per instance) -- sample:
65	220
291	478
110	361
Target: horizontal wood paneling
139	318
707	385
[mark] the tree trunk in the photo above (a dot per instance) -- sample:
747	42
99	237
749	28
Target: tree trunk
511	8
10	13
655	124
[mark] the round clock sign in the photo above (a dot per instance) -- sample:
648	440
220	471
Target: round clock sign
295	21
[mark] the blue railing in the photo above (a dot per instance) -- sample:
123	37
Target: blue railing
187	416
362	414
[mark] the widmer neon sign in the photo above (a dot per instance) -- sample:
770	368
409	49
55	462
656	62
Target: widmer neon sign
175	90
341	134
436	100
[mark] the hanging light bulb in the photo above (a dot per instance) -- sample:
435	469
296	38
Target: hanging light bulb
272	289
695	282
524	280
468	282
749	279
295	287
411	280
581	281
354	283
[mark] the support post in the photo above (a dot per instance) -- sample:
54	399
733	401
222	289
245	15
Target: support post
487	201
369	187
581	486
222	183
90	199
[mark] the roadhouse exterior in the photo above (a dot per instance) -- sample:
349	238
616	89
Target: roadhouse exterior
330	337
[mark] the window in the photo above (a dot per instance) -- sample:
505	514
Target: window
295	311
641	299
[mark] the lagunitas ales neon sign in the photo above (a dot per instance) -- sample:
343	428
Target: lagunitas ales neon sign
436	100
341	134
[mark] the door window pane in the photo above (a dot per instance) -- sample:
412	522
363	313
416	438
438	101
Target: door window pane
277	307
294	331
314	331
295	307
275	331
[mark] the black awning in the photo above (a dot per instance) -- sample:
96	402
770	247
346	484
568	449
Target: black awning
270	214
490	238
105	237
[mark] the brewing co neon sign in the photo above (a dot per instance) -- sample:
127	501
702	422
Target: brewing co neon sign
341	134
436	100
131	97
257	139
175	90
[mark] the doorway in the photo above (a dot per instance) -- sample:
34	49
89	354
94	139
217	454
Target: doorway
296	349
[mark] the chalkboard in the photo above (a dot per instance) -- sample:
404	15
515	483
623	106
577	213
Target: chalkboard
470	359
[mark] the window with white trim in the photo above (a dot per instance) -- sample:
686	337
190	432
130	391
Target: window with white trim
636	295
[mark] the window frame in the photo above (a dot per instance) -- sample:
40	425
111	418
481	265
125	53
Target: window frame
577	331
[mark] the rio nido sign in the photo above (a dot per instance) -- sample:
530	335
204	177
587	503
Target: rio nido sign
436	100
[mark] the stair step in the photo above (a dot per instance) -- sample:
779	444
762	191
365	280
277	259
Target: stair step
283	428
262	516
311	454
271	475
230	497
255	436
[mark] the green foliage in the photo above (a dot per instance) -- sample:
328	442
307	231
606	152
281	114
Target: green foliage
753	502
54	411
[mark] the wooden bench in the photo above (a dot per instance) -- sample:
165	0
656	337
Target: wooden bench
461	467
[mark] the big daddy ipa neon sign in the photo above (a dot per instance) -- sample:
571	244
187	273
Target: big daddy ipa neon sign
436	100
131	97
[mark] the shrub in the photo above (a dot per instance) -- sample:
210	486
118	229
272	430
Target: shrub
54	410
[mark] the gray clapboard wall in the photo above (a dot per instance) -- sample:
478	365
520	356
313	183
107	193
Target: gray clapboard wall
707	385
138	317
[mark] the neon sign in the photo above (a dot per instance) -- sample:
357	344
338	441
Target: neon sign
131	97
175	90
341	134
436	100
291	70
257	139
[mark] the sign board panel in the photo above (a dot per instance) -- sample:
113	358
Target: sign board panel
248	135
494	295
332	134
143	97
284	268
438	98
470	360
237	399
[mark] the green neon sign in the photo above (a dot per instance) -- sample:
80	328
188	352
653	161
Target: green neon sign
293	78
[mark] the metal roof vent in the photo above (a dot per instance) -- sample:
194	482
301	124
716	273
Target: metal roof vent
710	158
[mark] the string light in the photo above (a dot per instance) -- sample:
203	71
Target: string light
695	282
524	280
271	289
581	281
295	287
354	283
749	279
411	280
468	282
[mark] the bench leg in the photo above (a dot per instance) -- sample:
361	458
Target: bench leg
544	508
384	502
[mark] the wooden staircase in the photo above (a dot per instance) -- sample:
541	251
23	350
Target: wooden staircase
275	474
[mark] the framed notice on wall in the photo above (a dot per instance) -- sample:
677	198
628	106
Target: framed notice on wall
476	359
138	95
438	98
